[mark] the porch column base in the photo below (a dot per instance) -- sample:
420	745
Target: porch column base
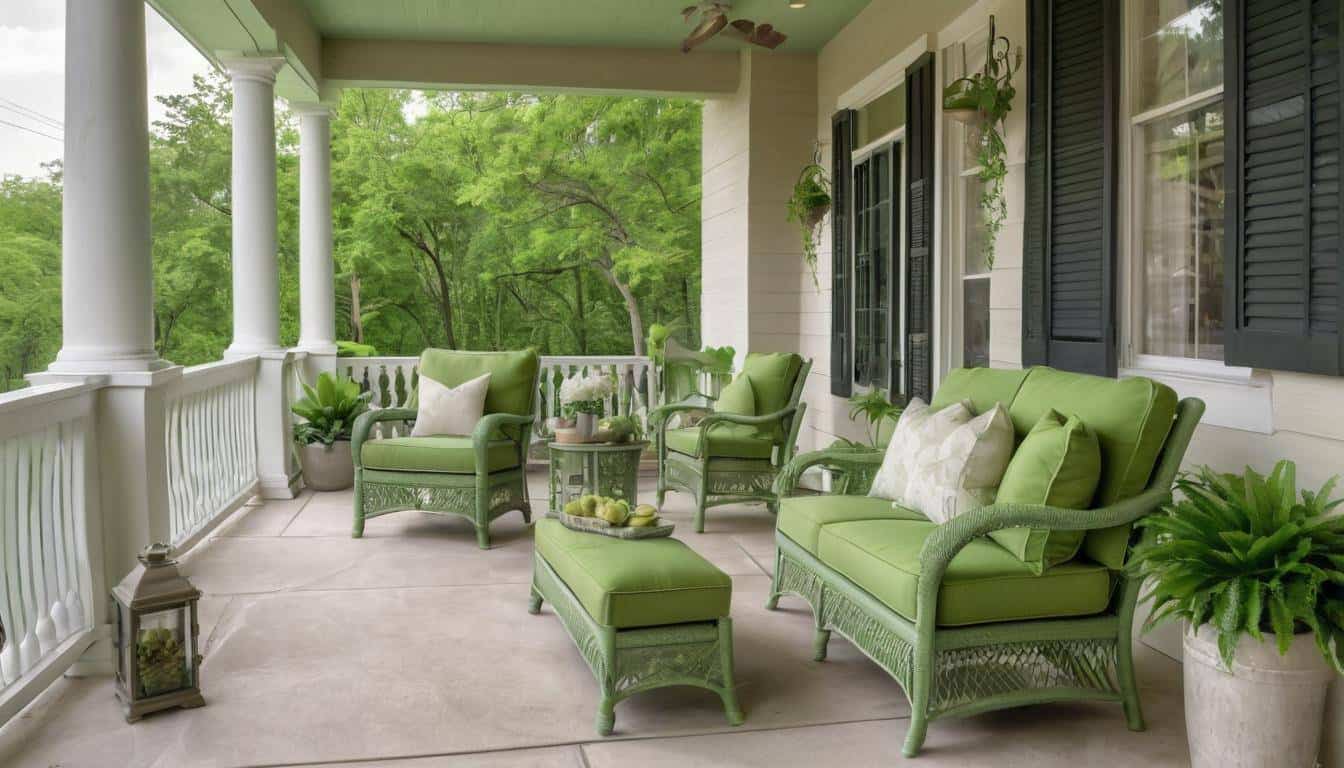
277	468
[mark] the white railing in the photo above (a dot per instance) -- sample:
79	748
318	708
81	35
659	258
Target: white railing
393	379
48	591
210	439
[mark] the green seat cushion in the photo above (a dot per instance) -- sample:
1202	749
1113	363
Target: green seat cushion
726	441
440	453
1131	418
513	375
738	397
626	583
983	583
801	517
1058	464
982	386
772	375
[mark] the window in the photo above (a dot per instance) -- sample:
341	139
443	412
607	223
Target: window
875	174
968	282
1176	178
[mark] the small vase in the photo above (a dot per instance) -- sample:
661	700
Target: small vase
585	425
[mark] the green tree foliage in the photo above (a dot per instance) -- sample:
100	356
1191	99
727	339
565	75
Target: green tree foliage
474	221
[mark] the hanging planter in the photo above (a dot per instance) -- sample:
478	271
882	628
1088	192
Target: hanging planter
808	206
984	100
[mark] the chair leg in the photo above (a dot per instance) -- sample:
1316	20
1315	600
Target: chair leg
534	602
914	737
526	509
820	639
606	716
772	602
1129	686
701	496
731	709
922	678
483	535
358	530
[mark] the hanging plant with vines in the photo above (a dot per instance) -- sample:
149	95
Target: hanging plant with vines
808	206
984	100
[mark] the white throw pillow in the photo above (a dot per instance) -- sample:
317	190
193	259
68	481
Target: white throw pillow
445	410
917	429
964	471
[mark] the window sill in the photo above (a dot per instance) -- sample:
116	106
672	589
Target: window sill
1235	398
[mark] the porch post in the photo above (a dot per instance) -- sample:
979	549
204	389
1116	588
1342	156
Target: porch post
317	296
107	294
256	271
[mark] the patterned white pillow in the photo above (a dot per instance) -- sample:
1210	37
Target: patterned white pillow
917	429
445	410
963	471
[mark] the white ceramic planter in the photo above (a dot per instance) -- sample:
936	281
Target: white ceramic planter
1267	711
327	467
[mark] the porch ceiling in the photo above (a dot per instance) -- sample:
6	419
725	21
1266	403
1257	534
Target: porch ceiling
623	46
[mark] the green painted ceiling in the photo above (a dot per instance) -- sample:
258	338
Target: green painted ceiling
611	23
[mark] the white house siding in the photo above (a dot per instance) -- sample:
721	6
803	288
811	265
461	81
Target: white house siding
1307	411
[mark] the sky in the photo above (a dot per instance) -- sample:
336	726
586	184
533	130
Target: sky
32	78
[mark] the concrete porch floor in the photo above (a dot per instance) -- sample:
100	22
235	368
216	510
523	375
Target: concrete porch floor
412	648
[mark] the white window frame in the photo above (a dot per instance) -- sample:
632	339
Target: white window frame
950	280
895	346
1236	397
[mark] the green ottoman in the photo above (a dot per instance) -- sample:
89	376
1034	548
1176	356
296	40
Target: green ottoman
644	613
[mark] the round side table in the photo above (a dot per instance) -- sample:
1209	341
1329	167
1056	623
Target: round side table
600	469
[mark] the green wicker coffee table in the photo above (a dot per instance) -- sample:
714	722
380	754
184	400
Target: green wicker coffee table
644	613
601	469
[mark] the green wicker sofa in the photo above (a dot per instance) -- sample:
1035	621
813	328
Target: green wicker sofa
734	453
960	622
478	476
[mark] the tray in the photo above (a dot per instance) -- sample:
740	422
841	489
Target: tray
603	528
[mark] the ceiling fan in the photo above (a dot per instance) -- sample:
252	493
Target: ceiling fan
713	17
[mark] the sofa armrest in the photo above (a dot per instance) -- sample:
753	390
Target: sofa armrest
951	537
364	425
839	457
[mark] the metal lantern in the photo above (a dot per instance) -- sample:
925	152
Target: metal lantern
158	666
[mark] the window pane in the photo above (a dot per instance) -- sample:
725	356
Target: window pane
1179	201
1179	50
975	322
882	115
877	374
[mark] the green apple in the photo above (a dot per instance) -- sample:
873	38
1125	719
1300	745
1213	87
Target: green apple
613	513
574	508
645	510
642	521
588	505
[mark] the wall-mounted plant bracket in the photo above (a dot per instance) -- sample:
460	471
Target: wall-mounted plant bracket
984	100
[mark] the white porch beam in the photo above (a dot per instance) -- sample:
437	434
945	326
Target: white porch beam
317	297
107	295
256	271
480	66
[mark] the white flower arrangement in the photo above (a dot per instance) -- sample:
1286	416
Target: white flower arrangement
584	394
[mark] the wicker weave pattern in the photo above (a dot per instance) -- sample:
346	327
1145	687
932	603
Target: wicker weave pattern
966	676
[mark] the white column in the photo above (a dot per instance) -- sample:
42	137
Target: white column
107	291
317	297
256	271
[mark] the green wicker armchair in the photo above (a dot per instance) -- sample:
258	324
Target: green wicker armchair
962	624
478	476
730	457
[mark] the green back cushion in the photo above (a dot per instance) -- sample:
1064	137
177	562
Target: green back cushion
982	386
738	398
772	375
1057	464
1131	419
513	375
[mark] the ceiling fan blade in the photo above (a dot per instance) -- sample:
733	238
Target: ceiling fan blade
766	36
707	28
745	26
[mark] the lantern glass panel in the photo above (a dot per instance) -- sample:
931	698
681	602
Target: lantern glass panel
163	652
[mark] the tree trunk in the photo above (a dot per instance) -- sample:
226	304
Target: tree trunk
445	304
356	324
582	327
631	303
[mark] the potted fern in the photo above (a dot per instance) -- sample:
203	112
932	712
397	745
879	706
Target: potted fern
1257	574
328	412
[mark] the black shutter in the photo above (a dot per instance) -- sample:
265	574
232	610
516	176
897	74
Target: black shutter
1283	205
1068	277
844	129
920	88
894	290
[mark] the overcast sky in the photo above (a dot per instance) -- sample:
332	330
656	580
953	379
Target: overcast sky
32	68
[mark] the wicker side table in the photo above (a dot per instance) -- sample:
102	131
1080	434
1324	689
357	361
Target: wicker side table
601	469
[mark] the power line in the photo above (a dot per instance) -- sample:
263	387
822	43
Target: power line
16	114
30	130
15	106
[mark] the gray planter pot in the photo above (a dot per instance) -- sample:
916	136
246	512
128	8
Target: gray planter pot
327	467
1267	710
